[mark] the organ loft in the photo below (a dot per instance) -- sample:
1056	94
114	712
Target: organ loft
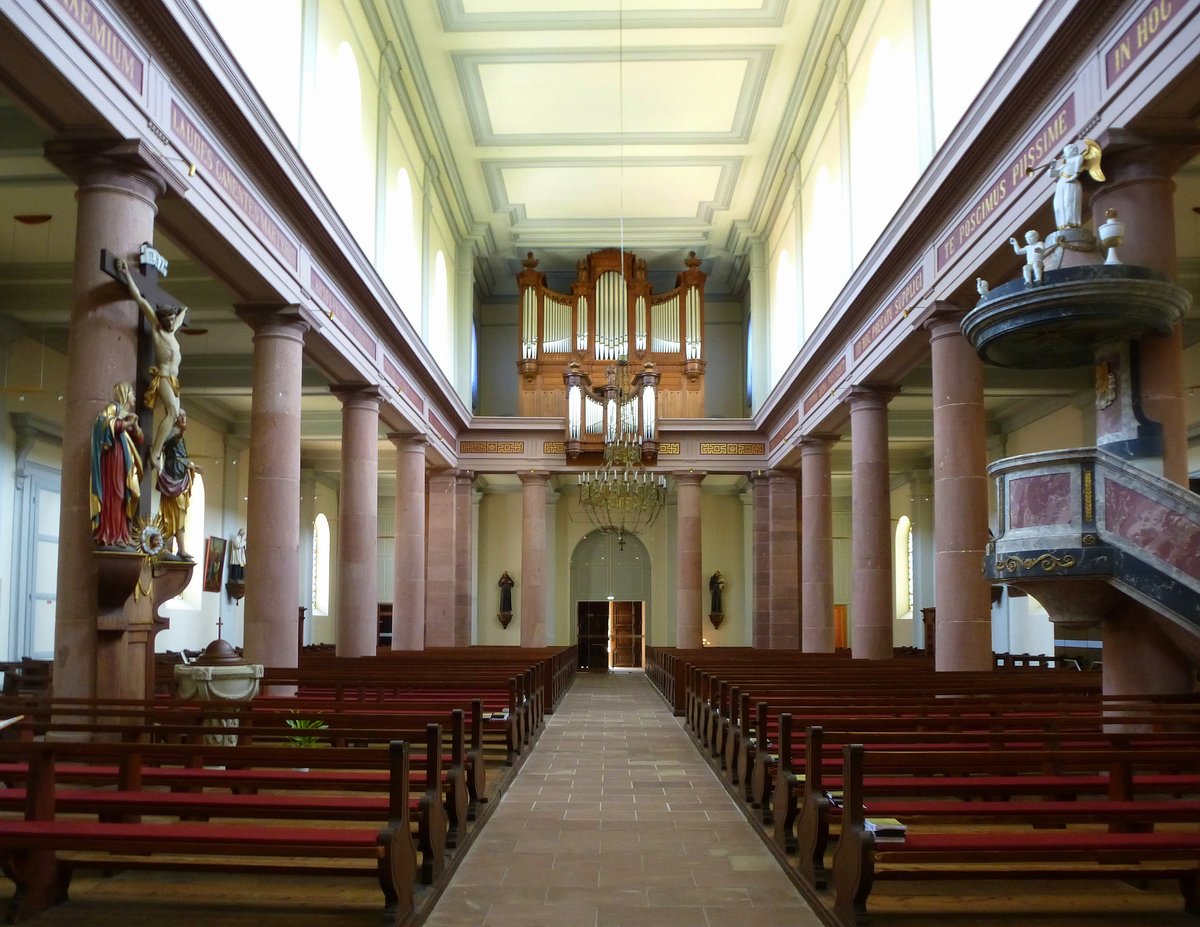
573	345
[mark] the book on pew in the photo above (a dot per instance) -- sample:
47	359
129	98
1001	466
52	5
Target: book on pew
498	715
886	830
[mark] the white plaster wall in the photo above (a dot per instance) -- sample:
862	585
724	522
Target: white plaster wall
1061	429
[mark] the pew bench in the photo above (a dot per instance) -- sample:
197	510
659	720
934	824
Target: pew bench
1022	852
40	850
242	772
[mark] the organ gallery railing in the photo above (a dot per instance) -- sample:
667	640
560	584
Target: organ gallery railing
611	314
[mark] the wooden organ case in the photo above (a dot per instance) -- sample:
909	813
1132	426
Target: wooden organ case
610	315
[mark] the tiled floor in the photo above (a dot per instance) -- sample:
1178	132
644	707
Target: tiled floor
616	820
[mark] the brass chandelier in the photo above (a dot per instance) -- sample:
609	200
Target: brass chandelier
623	497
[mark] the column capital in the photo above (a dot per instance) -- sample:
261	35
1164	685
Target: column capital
816	443
533	477
90	161
408	441
943	320
281	319
357	395
689	477
870	396
464	476
1131	154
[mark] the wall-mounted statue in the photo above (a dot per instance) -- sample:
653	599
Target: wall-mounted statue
237	557
164	321
116	470
174	485
506	584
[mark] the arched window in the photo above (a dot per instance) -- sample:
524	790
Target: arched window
440	323
902	568
400	266
785	317
320	573
336	146
883	117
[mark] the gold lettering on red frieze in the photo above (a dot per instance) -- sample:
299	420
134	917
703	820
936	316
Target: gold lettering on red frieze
1122	53
1045	143
214	166
898	306
105	38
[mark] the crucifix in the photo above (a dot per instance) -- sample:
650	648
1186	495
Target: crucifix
158	353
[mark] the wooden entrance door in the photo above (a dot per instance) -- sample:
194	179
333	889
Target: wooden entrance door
627	634
593	636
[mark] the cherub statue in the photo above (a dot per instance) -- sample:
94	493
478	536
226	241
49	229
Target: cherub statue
1035	256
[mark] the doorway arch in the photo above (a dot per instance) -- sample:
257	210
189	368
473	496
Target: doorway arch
608	575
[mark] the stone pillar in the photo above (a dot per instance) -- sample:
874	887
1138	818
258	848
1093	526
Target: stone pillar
273	509
690	585
1139	187
816	544
464	486
1138	657
960	487
408	595
116	206
357	616
533	558
761	548
871	525
440	581
785	581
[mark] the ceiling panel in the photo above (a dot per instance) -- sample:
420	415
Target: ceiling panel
595	191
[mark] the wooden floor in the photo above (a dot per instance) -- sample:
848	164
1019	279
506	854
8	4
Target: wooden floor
613	820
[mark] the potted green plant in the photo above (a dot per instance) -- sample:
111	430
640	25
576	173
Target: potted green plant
305	724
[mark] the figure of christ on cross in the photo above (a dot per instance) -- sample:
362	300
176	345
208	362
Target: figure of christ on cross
165	321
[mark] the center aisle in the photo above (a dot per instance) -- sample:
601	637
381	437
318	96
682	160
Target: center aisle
616	820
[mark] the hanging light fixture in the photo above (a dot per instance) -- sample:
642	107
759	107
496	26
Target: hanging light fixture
623	497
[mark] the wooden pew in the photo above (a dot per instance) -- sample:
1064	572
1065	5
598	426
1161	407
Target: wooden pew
35	848
1007	853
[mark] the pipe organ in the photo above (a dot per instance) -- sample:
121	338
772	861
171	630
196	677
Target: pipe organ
569	342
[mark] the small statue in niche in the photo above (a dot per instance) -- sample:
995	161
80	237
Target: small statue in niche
237	557
716	586
506	584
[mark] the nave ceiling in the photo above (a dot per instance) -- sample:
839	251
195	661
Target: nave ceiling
562	126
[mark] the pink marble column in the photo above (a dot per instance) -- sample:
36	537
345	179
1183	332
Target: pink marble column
761	552
357	618
464	488
440	566
408	595
785	544
272	600
816	544
1139	186
871	524
116	206
689	594
533	558
960	486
